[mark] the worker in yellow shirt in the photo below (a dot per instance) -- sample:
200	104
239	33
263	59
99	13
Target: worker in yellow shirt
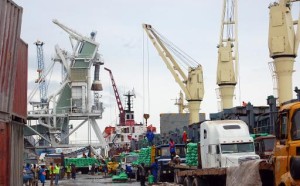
56	172
68	171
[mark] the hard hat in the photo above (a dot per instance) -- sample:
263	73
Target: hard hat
176	156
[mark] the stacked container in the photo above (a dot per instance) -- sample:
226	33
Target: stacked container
13	93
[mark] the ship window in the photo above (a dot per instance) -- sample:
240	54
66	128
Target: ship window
127	117
122	138
296	126
231	127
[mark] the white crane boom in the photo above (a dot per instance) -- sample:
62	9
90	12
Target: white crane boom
191	85
283	45
227	70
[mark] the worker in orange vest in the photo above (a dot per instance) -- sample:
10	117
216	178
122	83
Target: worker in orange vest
51	169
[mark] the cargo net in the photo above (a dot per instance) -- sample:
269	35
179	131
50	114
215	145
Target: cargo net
192	154
245	174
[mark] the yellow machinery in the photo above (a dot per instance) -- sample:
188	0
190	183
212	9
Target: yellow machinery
287	151
114	164
283	47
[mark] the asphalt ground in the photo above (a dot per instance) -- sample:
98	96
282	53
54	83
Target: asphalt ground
93	180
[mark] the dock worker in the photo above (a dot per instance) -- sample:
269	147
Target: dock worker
154	170
51	169
150	137
142	173
177	160
172	148
184	137
69	171
56	173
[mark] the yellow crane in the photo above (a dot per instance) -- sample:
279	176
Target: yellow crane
283	46
227	68
191	84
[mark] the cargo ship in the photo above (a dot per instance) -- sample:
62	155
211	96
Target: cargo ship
121	136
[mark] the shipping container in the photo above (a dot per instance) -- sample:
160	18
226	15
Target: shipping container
19	111
10	29
11	153
4	153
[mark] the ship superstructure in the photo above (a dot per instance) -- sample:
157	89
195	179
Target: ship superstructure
120	136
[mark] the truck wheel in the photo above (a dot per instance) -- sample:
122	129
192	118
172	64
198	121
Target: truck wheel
178	179
187	181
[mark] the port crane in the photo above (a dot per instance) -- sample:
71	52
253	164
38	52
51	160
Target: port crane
72	99
227	68
120	106
191	84
40	70
283	46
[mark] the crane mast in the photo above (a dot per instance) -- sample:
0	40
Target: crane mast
283	46
227	68
191	85
120	106
40	70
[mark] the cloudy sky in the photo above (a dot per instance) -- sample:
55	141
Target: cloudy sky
193	25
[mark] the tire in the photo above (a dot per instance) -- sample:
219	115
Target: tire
187	181
177	179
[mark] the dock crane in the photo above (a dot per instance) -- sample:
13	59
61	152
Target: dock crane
283	46
120	106
227	69
40	70
191	85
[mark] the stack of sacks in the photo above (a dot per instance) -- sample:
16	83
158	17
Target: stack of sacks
192	154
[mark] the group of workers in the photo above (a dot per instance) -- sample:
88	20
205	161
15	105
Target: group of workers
56	171
33	174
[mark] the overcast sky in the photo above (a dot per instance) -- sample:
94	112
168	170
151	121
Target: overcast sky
192	25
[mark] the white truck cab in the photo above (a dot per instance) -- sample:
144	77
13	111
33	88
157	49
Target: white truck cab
225	143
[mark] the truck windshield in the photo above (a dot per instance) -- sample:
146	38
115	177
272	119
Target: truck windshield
269	144
237	148
130	159
165	151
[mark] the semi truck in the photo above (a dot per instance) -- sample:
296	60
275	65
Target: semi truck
165	171
264	144
223	144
